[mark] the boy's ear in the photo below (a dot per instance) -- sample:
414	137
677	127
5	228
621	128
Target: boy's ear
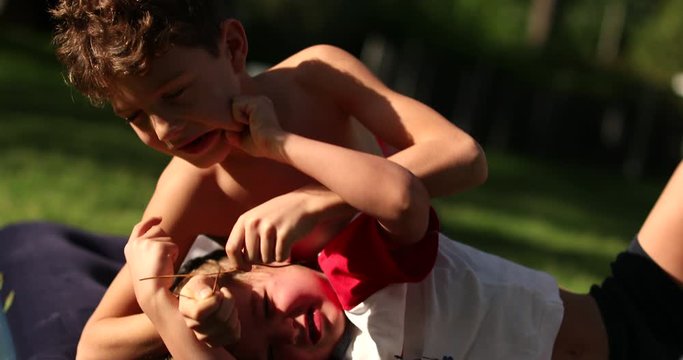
234	43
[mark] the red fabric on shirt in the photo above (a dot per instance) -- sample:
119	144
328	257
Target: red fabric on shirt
360	260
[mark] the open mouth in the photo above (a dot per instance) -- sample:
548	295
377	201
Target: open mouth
200	143
313	325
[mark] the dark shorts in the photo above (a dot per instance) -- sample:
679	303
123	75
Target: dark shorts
642	308
58	275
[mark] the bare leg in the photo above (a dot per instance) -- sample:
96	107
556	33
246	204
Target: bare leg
661	236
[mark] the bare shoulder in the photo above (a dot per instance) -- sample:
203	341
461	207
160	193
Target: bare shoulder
320	54
329	65
337	74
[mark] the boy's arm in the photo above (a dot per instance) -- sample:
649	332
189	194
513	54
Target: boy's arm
444	157
368	183
117	327
371	184
150	254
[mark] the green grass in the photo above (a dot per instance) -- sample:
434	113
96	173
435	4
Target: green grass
568	220
60	158
65	161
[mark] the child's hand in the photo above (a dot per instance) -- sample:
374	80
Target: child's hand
212	316
149	253
267	232
263	133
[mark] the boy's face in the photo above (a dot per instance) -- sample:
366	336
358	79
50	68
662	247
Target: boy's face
182	106
286	313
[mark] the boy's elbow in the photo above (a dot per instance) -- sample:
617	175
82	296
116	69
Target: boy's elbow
84	351
473	161
479	167
411	210
90	345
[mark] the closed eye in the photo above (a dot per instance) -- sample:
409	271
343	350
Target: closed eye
174	95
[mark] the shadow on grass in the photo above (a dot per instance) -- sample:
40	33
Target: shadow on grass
550	216
517	249
582	199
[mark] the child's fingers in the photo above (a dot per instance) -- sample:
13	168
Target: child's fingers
197	300
198	287
170	249
240	109
143	226
268	243
252	244
199	310
224	327
234	246
233	322
283	249
227	305
155	232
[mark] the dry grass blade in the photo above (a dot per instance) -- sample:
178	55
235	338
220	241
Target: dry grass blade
216	275
8	301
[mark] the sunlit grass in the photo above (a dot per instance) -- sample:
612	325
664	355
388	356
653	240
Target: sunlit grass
68	189
565	219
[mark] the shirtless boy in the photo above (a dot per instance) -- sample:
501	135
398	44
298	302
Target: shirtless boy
173	70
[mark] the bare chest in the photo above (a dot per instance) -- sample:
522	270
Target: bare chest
244	182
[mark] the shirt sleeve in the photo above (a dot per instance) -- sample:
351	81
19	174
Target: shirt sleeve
361	260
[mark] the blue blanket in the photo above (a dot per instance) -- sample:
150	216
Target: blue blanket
58	275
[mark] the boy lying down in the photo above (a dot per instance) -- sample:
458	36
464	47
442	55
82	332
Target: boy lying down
390	286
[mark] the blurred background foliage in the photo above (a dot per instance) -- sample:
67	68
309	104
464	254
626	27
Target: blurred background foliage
579	79
573	102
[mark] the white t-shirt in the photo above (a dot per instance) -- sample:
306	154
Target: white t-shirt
471	305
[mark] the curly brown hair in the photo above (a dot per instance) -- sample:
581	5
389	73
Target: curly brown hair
100	40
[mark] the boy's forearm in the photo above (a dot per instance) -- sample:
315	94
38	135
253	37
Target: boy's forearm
117	327
369	183
127	337
332	213
446	166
